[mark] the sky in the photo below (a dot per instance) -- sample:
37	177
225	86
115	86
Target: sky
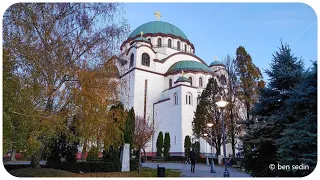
218	29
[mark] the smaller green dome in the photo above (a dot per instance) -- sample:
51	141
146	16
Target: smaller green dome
189	65
182	79
216	63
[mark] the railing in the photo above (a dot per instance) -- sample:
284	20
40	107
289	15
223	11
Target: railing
172	47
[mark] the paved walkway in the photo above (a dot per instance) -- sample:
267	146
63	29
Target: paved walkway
201	170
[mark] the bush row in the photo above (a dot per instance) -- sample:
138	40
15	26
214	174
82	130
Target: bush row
134	164
92	166
10	167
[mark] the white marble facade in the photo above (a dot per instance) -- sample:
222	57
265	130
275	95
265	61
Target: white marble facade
167	105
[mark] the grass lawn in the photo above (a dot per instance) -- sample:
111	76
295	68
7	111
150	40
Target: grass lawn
48	172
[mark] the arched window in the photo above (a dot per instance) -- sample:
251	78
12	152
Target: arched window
131	60
159	42
149	39
200	81
189	98
190	79
169	43
178	45
185	48
176	98
145	59
170	83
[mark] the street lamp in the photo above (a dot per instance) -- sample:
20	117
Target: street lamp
207	160
221	104
212	163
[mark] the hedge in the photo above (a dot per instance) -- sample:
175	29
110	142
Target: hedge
10	167
134	164
92	166
177	158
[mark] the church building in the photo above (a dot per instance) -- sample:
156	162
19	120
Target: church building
162	78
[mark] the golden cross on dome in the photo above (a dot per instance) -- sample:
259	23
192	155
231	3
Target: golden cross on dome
141	33
215	58
158	15
182	73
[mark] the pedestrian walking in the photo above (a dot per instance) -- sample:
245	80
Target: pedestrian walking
192	157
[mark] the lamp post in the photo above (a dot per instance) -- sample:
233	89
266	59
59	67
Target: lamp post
221	104
212	163
207	160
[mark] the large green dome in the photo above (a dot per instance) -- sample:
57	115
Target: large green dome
154	27
189	65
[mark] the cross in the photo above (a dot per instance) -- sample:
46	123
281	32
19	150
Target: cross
182	72
141	33
158	15
215	58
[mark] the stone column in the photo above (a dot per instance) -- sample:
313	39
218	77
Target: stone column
125	158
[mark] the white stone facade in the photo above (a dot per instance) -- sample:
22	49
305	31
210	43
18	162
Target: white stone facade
160	106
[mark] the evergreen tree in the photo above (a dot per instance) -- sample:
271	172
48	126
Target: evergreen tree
160	144
298	142
196	148
207	111
259	142
56	149
129	129
187	145
166	146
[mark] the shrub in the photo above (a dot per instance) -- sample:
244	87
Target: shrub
92	166
10	167
159	144
93	153
134	164
166	146
176	158
71	152
111	155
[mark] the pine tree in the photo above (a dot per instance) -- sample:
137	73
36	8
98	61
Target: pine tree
298	142
259	142
187	145
160	144
166	146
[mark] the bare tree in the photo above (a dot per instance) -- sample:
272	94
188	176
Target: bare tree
143	133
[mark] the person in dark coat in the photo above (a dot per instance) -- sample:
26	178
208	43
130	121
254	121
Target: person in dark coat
192	157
